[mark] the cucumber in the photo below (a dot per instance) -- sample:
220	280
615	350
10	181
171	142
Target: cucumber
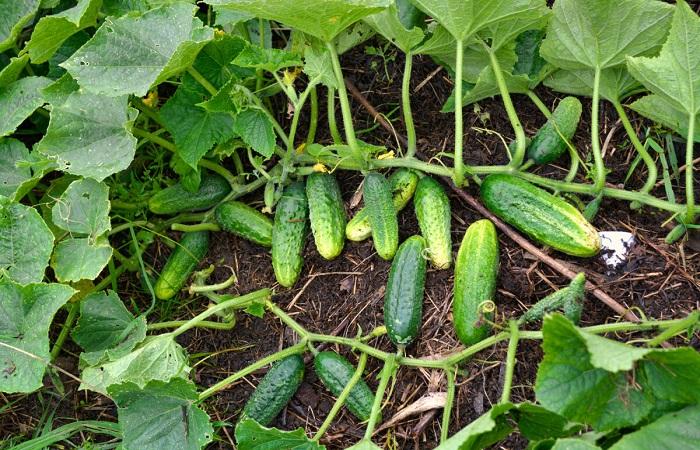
289	234
476	270
176	199
191	249
403	185
244	221
275	390
543	217
569	300
335	373
434	218
403	301
326	213
549	144
382	215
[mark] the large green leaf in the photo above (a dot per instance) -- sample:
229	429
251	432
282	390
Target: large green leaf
78	259
13	70
15	15
161	416
83	208
616	83
676	430
12	175
574	444
19	100
324	19
675	74
255	128
106	329
464	18
250	435
129	54
157	358
269	59
25	243
488	429
26	313
585	34
661	111
88	135
214	62
51	31
388	24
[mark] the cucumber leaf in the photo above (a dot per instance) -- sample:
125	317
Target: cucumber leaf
129	54
12	173
678	429
19	100
51	31
250	435
13	70
255	128
83	208
78	259
27	312
324	19
660	110
268	59
488	429
25	243
616	83
15	15
161	416
388	23
574	444
674	75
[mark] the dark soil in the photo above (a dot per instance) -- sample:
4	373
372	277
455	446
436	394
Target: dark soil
342	296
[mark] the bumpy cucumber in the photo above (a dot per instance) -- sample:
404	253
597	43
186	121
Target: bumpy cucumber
244	221
289	234
569	300
403	301
382	215
475	282
275	390
176	198
542	216
433	212
182	261
326	213
549	142
403	184
335	373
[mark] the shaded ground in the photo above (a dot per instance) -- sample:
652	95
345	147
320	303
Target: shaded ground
340	296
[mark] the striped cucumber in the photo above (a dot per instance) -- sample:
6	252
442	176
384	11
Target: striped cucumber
335	373
403	301
176	198
434	217
289	234
382	215
275	390
550	141
326	213
547	219
476	270
244	221
191	249
403	184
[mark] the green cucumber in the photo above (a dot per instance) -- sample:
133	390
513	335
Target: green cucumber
550	141
382	215
335	373
289	234
569	300
326	213
434	218
403	301
476	270
176	199
275	390
191	249
244	221
545	218
403	184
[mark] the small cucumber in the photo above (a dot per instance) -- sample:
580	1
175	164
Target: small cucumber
569	300
326	213
176	199
549	143
244	221
545	218
335	373
434	218
403	184
403	301
275	390
476	270
289	234
191	249
382	215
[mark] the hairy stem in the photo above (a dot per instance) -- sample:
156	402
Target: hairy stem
406	106
447	409
389	366
458	174
313	120
599	173
643	153
197	227
332	123
510	361
203	324
344	102
689	172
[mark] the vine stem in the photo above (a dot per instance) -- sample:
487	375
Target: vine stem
450	373
332	122
344	101
313	120
510	360
689	193
641	150
197	227
226	382
406	106
67	326
203	324
599	175
458	174
537	101
298	105
340	401
387	371
194	73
